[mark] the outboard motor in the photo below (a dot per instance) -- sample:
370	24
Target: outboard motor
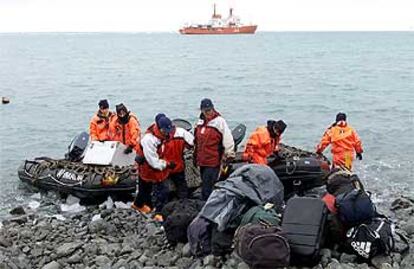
77	147
238	134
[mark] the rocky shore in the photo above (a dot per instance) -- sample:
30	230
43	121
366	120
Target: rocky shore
114	236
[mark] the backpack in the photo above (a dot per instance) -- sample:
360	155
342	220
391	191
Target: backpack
342	181
178	216
354	207
373	238
199	236
259	214
262	246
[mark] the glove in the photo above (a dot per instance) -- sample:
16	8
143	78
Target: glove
139	159
359	156
171	165
128	150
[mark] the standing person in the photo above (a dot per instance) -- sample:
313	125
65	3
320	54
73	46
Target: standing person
99	124
264	141
179	139
153	167
124	127
344	142
213	143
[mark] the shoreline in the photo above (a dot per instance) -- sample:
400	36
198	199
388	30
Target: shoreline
111	235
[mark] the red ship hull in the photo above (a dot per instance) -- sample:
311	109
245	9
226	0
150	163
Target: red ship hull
249	29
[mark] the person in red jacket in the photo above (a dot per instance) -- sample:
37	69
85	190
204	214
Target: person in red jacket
178	140
344	142
99	124
124	127
213	143
264	141
153	167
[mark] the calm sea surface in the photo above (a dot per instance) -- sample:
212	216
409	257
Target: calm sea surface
54	82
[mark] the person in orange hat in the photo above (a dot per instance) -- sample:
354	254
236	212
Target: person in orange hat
344	142
264	141
124	127
99	124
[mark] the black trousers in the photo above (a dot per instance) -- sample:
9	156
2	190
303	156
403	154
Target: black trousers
209	176
144	196
180	184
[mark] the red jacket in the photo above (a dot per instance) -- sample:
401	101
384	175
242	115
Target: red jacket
212	138
344	141
175	146
260	146
99	127
128	134
152	148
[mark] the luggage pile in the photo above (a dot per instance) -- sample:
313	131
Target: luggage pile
247	214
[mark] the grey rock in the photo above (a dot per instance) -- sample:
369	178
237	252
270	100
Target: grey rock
186	250
52	265
75	258
363	266
17	211
143	259
377	261
396	257
409	228
347	258
386	266
67	249
325	252
242	265
408	261
208	260
4	242
102	260
334	265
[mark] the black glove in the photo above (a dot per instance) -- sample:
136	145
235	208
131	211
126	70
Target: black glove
359	156
171	165
128	150
139	159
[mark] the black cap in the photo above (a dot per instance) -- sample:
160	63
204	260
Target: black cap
340	116
281	126
103	104
165	124
206	104
121	107
158	117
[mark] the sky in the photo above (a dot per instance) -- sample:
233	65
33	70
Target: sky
169	15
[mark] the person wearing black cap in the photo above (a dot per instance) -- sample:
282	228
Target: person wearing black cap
99	124
344	142
213	143
124	127
264	142
161	157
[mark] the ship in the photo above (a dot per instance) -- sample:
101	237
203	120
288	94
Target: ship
219	26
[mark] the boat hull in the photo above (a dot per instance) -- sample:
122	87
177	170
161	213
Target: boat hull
250	29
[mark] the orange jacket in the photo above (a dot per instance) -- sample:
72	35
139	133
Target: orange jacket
260	146
344	141
99	127
128	134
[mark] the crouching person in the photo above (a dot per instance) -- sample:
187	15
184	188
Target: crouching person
153	168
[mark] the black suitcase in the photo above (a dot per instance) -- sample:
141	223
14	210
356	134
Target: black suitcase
300	174
304	222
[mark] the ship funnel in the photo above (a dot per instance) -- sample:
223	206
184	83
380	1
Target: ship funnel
231	12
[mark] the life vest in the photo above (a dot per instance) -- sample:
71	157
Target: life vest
260	145
154	169
128	134
99	127
344	141
212	138
174	148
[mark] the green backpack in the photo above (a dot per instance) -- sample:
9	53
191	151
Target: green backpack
258	214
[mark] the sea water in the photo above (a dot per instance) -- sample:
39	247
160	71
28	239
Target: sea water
55	80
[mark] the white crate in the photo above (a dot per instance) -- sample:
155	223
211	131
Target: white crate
108	153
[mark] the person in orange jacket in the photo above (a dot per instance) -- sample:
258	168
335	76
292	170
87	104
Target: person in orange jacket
124	127
153	167
264	141
344	141
99	124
